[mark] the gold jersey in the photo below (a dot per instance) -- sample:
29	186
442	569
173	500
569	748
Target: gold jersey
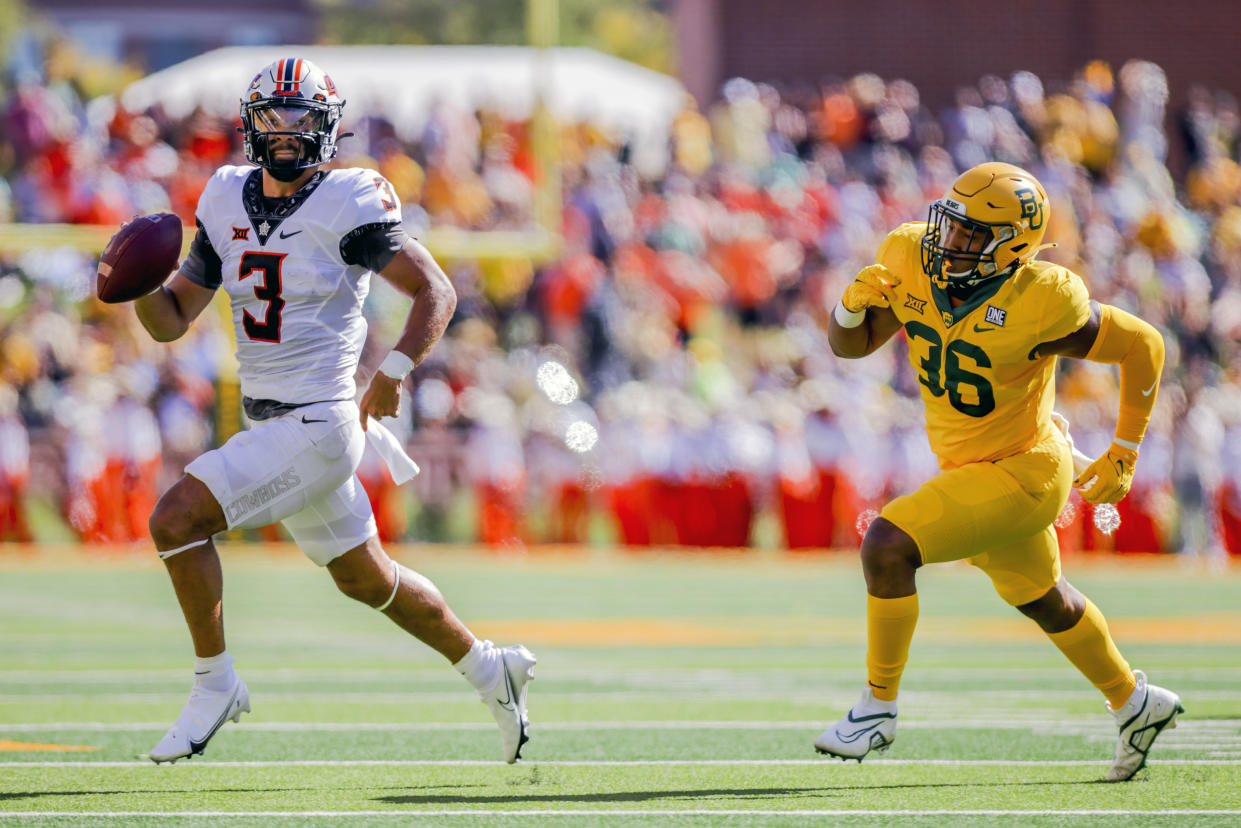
987	396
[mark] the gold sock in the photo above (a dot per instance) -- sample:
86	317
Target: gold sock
1089	646
890	626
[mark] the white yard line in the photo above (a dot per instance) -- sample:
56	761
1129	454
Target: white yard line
948	699
601	675
607	763
622	812
1084	725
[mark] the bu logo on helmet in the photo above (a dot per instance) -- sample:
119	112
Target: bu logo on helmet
1031	209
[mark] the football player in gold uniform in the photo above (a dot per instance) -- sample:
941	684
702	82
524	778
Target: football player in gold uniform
985	322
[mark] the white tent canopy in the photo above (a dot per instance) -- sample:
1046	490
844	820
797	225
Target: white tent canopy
401	83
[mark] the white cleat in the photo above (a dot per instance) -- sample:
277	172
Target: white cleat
1148	712
507	700
870	725
204	714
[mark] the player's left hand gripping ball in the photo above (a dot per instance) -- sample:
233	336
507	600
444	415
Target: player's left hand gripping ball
139	258
873	287
1107	480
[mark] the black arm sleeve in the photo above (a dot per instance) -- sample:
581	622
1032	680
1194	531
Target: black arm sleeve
202	265
373	245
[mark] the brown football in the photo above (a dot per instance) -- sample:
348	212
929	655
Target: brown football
139	258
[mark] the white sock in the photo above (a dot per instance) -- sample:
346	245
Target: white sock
481	665
215	673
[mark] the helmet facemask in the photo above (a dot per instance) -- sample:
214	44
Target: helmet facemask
989	223
290	104
308	126
958	251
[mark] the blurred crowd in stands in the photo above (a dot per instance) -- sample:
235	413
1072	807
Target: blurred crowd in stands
667	380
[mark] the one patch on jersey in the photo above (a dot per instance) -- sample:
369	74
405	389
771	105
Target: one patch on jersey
916	304
241	233
996	316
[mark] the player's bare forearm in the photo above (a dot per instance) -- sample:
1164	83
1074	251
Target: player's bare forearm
416	273
851	343
167	312
159	314
431	312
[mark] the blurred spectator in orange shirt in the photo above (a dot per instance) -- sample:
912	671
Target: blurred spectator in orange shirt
14	469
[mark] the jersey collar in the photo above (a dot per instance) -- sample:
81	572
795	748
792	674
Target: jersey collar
265	220
986	290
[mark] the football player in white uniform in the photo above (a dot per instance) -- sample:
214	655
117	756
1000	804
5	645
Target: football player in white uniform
294	245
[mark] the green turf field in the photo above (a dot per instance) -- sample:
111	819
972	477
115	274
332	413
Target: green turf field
671	690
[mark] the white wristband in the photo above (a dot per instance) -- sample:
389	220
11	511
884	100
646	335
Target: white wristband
846	318
1126	443
396	365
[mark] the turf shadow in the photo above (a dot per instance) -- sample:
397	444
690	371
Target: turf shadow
711	793
921	785
35	794
620	796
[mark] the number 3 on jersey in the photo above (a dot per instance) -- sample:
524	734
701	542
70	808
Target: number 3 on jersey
946	362
387	196
268	290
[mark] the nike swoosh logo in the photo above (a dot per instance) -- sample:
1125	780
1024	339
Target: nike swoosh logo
860	732
203	673
285	235
978	329
1150	390
197	745
849	738
507	704
304	420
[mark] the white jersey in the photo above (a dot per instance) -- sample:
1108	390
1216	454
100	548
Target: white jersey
296	301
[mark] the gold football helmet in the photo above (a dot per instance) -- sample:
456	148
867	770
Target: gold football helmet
990	222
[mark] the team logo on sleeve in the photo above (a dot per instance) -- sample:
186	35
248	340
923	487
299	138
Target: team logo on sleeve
915	304
996	316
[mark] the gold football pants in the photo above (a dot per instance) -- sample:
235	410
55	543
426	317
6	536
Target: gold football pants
997	515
